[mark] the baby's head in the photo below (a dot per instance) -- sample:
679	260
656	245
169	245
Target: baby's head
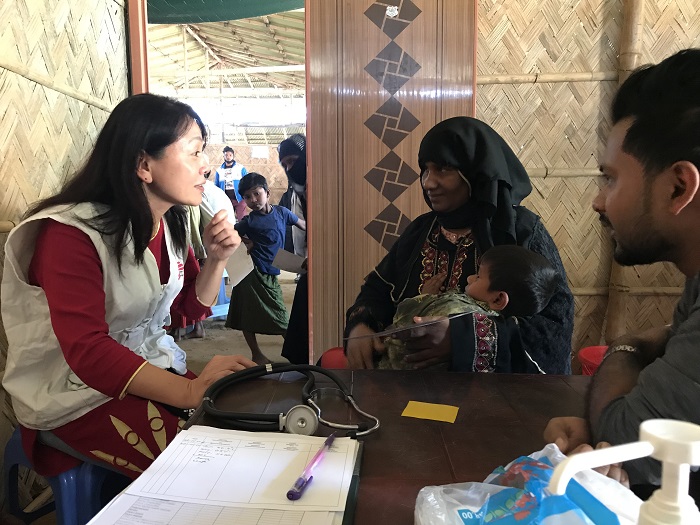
514	281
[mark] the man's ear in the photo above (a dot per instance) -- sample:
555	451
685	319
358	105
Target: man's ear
143	170
685	178
500	301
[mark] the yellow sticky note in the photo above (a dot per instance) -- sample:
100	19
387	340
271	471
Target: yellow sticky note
432	411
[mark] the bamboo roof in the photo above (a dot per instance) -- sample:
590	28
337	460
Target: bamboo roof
225	62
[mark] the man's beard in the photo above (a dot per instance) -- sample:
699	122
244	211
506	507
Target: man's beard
645	246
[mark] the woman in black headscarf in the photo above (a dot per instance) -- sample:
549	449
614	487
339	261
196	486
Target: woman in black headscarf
473	183
292	153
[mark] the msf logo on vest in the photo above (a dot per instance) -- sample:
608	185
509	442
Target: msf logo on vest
180	270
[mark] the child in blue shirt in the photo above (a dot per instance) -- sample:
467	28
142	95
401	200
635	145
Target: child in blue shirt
257	306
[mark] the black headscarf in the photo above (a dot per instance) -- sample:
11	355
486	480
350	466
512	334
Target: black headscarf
498	180
295	145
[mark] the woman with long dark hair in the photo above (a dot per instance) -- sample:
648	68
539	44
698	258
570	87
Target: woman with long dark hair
90	276
474	184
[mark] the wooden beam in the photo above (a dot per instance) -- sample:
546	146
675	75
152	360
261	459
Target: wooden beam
630	51
138	54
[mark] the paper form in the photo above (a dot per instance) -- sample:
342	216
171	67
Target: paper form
134	510
231	468
289	262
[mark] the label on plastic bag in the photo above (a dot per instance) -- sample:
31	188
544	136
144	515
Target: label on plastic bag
470	516
507	506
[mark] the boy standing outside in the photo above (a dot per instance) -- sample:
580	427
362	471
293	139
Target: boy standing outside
228	177
257	306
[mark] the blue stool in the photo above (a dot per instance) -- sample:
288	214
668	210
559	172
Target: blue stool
220	309
77	492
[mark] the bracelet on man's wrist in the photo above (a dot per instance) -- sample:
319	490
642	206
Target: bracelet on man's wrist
620	348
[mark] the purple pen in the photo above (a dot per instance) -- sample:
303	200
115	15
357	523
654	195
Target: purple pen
307	475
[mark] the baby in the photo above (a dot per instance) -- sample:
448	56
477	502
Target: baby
512	281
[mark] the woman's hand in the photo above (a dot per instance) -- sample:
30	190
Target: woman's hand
435	284
219	366
360	352
220	238
427	345
567	433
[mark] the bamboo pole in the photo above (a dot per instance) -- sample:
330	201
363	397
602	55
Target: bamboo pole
542	78
6	226
49	83
658	291
630	52
562	173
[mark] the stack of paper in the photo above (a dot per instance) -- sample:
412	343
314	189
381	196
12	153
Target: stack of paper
209	476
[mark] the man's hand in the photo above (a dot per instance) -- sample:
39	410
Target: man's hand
360	352
220	238
248	244
427	345
567	433
614	471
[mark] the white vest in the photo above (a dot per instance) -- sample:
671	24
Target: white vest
45	392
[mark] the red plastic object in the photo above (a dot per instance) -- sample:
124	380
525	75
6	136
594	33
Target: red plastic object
590	358
334	358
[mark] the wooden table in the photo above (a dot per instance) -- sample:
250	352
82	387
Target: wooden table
501	417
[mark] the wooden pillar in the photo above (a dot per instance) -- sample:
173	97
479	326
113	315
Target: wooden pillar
630	53
138	39
379	76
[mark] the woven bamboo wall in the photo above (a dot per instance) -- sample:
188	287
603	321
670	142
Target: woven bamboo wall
668	27
62	69
558	130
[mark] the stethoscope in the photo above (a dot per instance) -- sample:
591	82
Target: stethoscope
300	419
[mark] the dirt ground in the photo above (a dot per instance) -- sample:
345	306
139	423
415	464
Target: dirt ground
221	340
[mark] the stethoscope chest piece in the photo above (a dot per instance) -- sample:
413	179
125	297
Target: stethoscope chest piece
300	419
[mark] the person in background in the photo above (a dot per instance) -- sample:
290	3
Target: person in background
473	183
228	177
292	154
649	198
90	276
512	281
179	322
213	200
257	305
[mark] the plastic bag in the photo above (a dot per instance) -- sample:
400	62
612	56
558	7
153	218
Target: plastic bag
517	494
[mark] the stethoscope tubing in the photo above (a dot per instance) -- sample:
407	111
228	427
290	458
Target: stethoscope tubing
270	422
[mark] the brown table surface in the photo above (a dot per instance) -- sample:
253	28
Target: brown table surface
501	417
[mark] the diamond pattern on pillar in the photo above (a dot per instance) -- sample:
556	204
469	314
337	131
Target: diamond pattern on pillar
392	26
392	123
392	67
392	176
388	225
